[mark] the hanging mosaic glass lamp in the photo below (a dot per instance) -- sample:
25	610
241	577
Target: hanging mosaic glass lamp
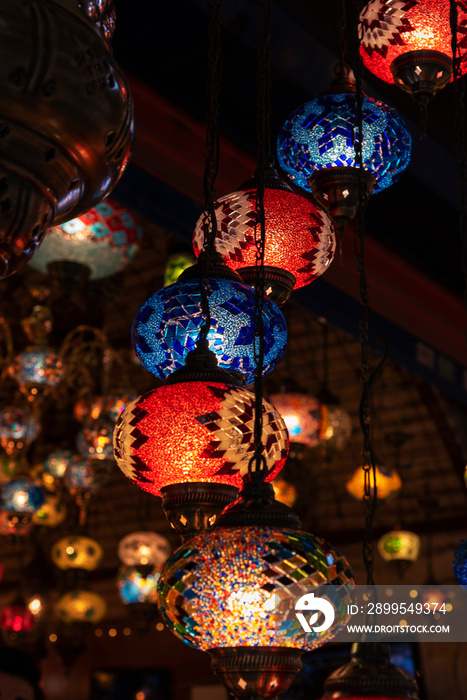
17	617
95	245
77	552
460	563
388	483
408	42
18	428
316	149
190	441
300	241
168	324
51	513
81	606
400	546
232	592
370	674
304	416
21	495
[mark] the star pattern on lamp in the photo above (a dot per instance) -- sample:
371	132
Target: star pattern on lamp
384	24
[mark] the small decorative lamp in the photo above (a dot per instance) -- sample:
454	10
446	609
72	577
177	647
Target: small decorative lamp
388	483
37	369
370	674
89	409
10	466
94	441
400	546
77	552
144	549
85	476
232	592
18	428
138	592
168	324
177	262
97	244
51	513
316	149
21	496
409	44
284	492
17	524
57	462
460	564
17	617
81	606
300	239
304	416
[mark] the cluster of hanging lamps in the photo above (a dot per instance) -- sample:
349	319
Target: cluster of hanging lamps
388	483
67	130
409	43
316	150
18	428
97	244
300	240
112	405
167	325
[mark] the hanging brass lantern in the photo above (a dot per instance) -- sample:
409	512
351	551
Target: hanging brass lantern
66	118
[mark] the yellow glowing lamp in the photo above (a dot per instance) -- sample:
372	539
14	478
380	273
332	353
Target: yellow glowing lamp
399	545
77	552
284	491
388	483
80	606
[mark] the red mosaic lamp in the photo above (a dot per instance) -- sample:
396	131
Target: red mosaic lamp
191	440
370	675
300	238
408	42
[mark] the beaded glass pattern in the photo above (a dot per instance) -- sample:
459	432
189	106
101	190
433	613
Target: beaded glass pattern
195	431
238	587
168	325
300	237
319	135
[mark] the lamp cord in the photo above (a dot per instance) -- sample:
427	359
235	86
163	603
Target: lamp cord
367	375
461	148
263	134
212	158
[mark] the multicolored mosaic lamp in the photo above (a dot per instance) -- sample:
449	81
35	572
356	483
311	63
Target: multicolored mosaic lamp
408	42
232	592
181	439
37	369
90	408
460	563
18	428
94	441
21	495
97	244
304	416
300	239
388	483
370	674
57	462
316	149
168	324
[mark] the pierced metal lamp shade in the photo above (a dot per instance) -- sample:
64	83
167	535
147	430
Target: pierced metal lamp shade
399	545
319	136
80	606
195	432
104	240
396	31
300	236
237	587
168	324
77	552
144	548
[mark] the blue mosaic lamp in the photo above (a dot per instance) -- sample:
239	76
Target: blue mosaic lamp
21	496
460	564
168	324
316	149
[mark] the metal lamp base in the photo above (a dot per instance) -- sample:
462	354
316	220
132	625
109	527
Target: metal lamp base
256	672
278	283
342	191
422	73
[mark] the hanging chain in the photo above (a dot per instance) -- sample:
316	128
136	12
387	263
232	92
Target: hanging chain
367	376
212	157
461	149
342	32
263	160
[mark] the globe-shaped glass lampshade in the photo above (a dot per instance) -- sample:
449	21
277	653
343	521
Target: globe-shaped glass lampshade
77	552
95	440
168	324
337	428
238	587
195	431
104	239
38	367
21	496
392	29
319	135
17	618
51	513
144	548
82	475
284	492
18	424
388	483
9	467
460	563
175	265
300	236
304	416
81	606
399	545
117	401
57	462
135	587
88	409
18	524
